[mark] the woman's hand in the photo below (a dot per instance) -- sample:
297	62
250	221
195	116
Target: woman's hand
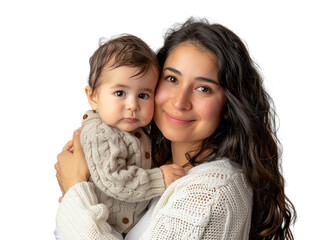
71	167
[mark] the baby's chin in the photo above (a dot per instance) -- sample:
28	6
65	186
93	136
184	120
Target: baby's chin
128	127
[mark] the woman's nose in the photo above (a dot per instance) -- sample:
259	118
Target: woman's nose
181	100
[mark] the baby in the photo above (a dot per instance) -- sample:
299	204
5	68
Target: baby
114	135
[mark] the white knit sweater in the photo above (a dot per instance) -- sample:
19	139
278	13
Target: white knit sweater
213	201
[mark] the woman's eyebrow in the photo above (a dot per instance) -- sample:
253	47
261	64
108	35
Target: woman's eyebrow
173	70
203	79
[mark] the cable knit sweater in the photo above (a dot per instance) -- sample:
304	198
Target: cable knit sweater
120	166
213	201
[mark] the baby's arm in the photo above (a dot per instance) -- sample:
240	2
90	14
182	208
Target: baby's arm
171	173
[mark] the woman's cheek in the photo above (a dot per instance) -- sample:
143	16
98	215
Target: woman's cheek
211	112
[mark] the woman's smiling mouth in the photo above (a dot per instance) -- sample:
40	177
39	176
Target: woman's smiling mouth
177	120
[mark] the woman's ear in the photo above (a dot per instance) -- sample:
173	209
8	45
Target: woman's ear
92	98
225	111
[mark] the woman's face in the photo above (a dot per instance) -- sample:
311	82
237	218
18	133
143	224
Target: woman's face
189	101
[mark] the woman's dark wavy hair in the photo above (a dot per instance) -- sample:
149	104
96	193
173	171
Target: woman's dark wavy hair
247	135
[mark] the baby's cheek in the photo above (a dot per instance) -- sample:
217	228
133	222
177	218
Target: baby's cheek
149	112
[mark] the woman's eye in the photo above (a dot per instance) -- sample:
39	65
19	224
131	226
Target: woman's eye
143	96
119	93
171	79
204	89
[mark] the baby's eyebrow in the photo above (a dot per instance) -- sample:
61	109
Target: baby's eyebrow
119	86
146	90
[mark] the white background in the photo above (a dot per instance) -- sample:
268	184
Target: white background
44	52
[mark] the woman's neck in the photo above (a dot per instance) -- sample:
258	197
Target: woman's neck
179	151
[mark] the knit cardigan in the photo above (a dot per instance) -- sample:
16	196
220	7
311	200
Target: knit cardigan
213	201
120	166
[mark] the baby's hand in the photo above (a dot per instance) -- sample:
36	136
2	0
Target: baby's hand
171	173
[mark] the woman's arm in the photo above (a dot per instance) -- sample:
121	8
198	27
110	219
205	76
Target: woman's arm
80	216
71	167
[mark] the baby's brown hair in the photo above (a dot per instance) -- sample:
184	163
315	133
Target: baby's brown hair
126	50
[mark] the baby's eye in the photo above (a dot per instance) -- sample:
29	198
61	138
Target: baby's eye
143	96
119	93
171	79
204	89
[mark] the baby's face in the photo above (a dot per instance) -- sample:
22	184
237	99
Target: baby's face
126	101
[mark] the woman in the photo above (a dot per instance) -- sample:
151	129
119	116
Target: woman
214	118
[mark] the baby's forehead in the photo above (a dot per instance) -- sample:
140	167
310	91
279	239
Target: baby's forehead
127	77
131	72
